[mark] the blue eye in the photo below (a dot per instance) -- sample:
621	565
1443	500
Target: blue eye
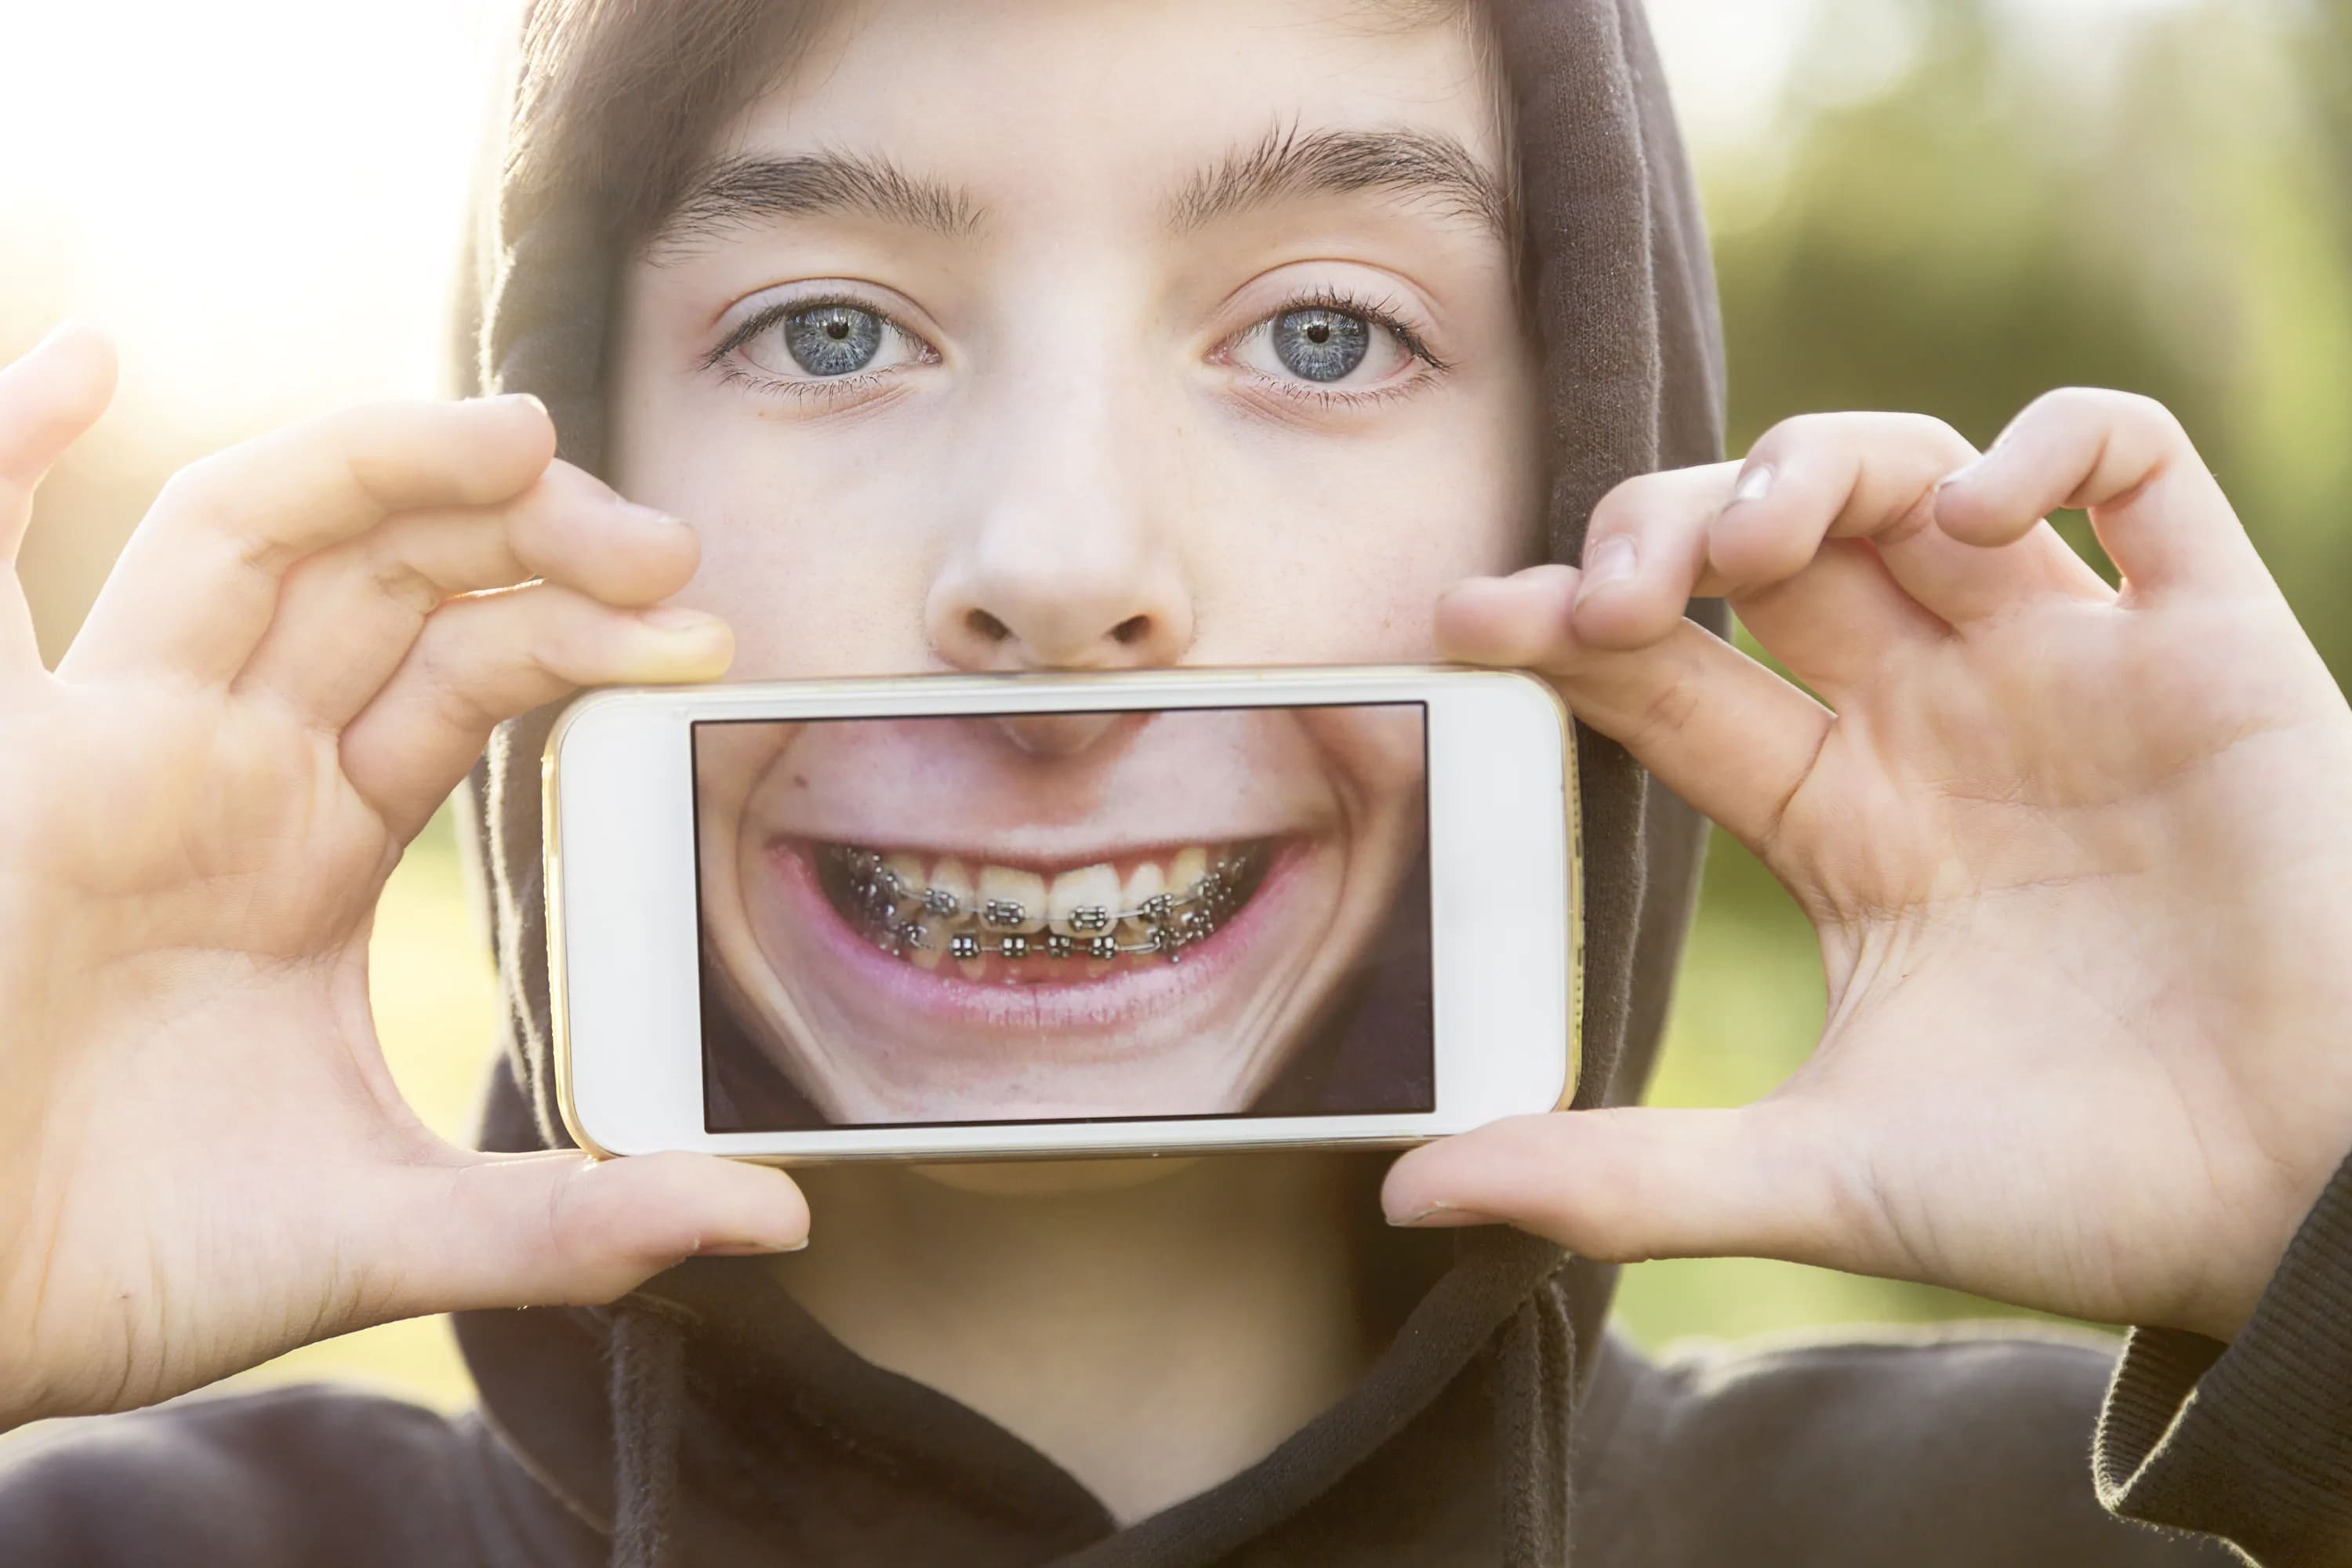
1320	344
833	340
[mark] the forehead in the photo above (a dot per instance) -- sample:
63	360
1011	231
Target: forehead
1120	103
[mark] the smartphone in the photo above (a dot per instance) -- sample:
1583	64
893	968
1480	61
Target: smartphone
1058	915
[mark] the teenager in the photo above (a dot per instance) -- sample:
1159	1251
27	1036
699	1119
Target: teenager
2075	855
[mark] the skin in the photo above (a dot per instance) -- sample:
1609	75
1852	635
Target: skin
1082	468
2082	889
1337	791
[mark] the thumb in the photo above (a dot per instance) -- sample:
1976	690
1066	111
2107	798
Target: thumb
1621	1185
561	1229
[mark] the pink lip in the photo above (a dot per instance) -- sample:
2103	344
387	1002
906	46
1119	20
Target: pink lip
989	1011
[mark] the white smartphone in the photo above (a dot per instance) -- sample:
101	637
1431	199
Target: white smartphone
1030	916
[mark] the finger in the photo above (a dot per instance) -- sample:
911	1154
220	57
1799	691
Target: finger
195	589
48	400
1645	554
1874	476
484	659
561	1229
1727	735
1828	609
347	616
1835	624
1734	530
1623	1185
2158	512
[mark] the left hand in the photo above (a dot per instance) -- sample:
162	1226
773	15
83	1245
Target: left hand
2080	861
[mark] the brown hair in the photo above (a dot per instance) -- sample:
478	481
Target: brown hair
617	99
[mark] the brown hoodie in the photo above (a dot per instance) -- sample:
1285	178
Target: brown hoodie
709	1420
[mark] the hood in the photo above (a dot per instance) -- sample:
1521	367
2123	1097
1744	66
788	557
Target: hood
712	1369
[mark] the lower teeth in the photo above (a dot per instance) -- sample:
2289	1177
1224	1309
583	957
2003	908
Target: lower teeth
1170	923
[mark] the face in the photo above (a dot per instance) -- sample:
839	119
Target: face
1054	335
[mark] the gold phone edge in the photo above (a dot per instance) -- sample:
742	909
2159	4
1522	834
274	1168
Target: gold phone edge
559	1007
559	989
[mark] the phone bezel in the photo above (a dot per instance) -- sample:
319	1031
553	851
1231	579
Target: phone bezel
623	927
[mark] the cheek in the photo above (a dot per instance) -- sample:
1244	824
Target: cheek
808	599
1335	551
820	565
1375	754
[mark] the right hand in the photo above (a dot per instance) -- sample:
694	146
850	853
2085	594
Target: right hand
202	1158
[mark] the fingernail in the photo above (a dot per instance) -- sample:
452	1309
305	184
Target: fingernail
519	397
1443	1217
1754	485
678	621
750	1249
62	330
1613	560
1958	475
651	516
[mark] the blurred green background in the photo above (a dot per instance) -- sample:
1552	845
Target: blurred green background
1946	205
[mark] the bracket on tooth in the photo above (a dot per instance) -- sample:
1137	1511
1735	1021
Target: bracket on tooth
1172	922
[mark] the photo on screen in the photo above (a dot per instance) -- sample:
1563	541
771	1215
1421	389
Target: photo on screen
1115	915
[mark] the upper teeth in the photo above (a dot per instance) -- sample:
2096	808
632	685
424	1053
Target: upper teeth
1091	911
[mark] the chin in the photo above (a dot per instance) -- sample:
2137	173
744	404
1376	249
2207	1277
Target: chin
1053	1178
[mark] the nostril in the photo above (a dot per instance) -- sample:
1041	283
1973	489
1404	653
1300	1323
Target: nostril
1133	629
986	626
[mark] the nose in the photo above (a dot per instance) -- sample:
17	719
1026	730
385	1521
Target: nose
1063	558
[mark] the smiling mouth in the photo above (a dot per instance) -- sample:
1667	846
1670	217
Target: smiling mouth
1029	924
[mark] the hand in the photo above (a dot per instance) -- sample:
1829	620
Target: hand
203	1159
2080	862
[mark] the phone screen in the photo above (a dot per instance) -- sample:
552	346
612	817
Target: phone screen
1130	914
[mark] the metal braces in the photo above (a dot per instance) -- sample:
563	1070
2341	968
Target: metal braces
1172	922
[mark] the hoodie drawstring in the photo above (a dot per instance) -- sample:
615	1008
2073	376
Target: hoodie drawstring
648	1392
1534	1408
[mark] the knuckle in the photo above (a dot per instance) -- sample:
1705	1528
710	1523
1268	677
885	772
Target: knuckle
401	580
569	642
1936	434
1796	432
2100	406
198	494
201	503
1622	504
1668	708
376	445
447	664
2094	413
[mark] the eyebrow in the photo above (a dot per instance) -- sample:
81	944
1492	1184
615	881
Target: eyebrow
1415	164
740	192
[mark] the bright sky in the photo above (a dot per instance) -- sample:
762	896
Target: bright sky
259	196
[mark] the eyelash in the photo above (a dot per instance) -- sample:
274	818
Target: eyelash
831	389
819	388
1381	313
